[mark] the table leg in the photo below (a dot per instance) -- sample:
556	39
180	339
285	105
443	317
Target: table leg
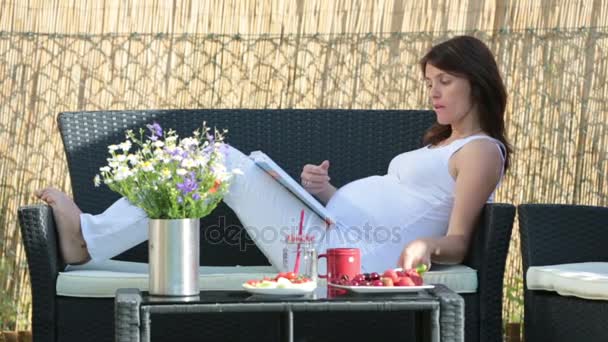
145	325
451	314
288	326
126	315
435	326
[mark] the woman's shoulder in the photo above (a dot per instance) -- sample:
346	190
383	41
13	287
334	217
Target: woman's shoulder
480	144
480	150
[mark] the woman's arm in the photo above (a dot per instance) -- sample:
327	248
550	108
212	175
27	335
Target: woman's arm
326	194
478	168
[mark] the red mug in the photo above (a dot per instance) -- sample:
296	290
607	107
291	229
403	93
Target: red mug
341	261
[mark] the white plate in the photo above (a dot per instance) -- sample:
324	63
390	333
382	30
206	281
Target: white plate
383	289
285	291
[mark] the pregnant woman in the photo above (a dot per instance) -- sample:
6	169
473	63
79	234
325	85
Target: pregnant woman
422	210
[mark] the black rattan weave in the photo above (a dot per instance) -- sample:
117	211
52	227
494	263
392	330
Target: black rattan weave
38	234
558	234
488	255
358	143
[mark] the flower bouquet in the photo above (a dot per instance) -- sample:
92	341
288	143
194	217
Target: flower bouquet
176	182
167	177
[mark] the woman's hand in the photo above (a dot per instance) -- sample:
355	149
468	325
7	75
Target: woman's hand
416	253
315	178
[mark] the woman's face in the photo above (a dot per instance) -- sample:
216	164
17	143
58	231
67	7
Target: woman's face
450	95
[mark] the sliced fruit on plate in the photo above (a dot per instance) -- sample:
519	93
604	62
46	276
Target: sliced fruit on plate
281	281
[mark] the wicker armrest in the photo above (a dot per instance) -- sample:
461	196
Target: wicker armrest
490	243
39	238
488	255
560	234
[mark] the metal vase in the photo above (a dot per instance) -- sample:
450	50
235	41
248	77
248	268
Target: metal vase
173	249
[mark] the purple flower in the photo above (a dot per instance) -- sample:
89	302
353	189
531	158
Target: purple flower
176	152
196	196
189	184
156	131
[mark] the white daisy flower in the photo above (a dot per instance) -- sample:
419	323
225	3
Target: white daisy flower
147	166
125	146
188	163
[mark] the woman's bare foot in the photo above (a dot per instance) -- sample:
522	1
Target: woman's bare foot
67	217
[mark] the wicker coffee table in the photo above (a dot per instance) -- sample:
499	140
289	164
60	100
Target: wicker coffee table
444	319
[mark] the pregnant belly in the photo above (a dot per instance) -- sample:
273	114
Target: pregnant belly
375	201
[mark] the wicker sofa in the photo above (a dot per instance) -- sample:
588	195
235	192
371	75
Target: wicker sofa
565	260
359	143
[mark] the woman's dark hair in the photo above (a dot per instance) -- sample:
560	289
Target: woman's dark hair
469	57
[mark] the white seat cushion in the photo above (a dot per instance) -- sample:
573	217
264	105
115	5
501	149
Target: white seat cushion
102	279
458	278
587	280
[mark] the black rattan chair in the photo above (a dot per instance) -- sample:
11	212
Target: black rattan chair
553	234
358	142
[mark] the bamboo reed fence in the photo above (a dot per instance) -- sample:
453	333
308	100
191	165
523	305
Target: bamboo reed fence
295	16
64	56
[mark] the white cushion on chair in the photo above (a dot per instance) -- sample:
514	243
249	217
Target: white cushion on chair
102	279
587	280
458	278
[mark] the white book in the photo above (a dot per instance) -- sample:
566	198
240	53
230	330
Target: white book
275	171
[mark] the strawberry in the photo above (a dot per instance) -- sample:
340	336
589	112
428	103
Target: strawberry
410	272
416	278
392	275
290	275
388	281
416	274
286	275
405	281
